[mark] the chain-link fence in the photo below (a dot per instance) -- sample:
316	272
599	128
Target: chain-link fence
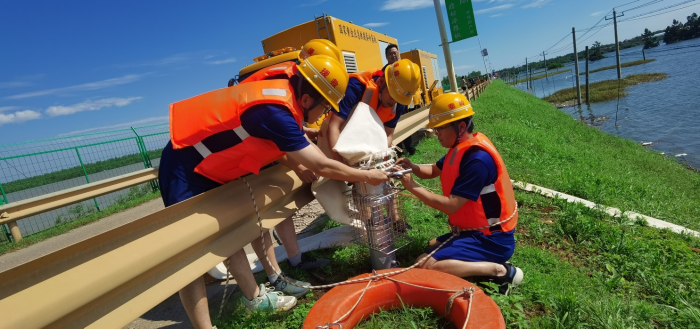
36	168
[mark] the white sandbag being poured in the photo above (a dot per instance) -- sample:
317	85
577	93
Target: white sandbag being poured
362	136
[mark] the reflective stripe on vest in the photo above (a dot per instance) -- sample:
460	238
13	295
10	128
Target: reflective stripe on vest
496	201
211	124
385	114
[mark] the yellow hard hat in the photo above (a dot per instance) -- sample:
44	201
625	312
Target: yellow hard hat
403	80
320	47
327	75
447	108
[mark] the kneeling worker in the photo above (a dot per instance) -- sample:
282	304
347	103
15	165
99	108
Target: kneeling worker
222	135
477	196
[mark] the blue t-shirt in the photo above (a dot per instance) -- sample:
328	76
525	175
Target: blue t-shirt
476	171
353	95
267	121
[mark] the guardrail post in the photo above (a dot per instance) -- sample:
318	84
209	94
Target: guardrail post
144	157
86	178
16	234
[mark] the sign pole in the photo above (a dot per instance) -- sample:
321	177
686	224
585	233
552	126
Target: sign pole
483	57
445	47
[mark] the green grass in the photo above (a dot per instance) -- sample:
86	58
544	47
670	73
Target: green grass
68	173
633	63
540	76
605	90
583	269
80	216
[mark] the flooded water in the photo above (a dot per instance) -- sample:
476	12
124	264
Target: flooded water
666	113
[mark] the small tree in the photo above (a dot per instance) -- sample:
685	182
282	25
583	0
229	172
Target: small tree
649	40
597	52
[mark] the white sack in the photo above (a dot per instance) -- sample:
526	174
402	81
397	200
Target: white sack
363	135
331	194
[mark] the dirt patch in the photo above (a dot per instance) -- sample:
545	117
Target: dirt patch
308	217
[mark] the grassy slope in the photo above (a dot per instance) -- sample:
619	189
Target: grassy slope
633	63
605	90
583	268
544	146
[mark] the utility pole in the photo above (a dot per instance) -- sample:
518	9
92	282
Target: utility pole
445	47
617	44
483	58
545	66
588	90
578	81
527	69
644	56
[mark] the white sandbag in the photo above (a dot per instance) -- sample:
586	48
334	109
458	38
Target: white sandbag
362	135
331	194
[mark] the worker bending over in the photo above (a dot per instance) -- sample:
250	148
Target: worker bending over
222	135
476	195
397	83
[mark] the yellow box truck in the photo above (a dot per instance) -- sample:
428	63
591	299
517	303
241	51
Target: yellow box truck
362	48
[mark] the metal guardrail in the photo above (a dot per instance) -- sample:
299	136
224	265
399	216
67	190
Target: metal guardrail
110	279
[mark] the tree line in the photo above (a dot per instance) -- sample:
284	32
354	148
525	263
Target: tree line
674	33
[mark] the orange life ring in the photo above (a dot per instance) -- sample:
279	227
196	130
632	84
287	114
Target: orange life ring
384	293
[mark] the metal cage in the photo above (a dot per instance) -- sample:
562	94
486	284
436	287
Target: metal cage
379	211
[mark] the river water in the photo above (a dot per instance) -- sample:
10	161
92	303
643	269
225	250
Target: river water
665	112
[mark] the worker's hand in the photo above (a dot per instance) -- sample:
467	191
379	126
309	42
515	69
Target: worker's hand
306	175
404	163
408	182
376	177
312	133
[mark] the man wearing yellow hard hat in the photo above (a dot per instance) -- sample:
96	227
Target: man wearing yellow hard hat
225	134
477	196
396	84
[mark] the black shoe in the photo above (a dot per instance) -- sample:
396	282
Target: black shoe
309	263
512	278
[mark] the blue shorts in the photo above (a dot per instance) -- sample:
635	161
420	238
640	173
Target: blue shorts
477	247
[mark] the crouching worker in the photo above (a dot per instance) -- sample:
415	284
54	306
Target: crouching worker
477	196
225	134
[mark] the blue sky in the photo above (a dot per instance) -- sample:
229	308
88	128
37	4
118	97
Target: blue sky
84	66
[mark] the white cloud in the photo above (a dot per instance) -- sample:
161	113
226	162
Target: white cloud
597	13
8	108
536	4
376	24
398	5
496	8
152	120
496	15
90	105
409	42
86	86
462	50
223	61
313	3
13	84
173	59
19	117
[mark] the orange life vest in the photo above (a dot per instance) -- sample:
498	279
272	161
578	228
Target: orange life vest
285	68
471	214
211	124
366	78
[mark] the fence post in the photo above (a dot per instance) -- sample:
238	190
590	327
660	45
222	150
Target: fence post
145	157
7	234
86	175
4	196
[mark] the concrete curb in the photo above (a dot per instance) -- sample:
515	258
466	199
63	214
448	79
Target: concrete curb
609	210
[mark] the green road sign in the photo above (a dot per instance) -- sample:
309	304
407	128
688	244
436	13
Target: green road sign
461	17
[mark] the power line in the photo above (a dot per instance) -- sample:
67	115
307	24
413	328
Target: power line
562	39
628	3
643	5
657	13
